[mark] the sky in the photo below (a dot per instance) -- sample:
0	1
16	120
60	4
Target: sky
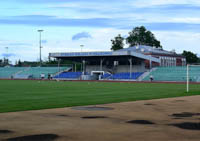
67	24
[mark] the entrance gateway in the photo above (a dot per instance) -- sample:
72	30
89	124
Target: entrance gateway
95	75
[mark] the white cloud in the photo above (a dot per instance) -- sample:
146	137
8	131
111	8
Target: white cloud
147	3
194	20
179	41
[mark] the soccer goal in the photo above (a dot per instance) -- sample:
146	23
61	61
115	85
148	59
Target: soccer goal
193	75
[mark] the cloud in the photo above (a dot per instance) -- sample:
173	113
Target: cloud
81	35
135	2
8	55
176	9
44	41
12	43
56	1
45	20
19	44
146	3
173	26
179	40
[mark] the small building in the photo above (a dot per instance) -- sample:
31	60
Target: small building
167	58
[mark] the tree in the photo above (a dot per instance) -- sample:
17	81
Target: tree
19	63
141	36
190	57
5	61
117	43
1	62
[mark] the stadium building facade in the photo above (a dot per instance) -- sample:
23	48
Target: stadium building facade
126	63
109	61
167	58
139	57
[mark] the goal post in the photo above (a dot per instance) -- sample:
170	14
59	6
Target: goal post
188	78
193	75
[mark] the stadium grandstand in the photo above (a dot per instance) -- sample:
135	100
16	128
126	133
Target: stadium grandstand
136	63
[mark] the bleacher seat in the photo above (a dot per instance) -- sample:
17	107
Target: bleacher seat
178	74
106	76
123	75
35	72
69	75
26	72
8	72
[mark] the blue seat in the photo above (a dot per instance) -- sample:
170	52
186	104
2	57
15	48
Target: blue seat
126	75
70	75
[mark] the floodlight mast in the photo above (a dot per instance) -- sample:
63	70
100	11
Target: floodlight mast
82	64
7	54
40	45
81	47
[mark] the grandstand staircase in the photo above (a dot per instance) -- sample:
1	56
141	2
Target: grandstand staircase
19	76
66	70
144	75
17	73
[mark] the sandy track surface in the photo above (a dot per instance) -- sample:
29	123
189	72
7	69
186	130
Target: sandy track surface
174	119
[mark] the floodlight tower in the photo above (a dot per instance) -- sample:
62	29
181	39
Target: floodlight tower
82	47
7	53
40	45
82	61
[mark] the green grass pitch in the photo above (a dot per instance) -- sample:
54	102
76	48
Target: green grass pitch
20	95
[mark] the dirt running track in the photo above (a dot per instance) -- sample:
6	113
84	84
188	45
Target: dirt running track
176	119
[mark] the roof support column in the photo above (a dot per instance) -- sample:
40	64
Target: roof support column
101	64
150	64
75	67
84	67
131	65
59	60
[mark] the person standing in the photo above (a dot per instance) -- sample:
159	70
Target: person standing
151	78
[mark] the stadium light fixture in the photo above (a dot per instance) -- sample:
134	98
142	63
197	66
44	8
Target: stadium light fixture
82	47
40	45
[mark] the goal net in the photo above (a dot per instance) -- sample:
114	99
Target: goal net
193	77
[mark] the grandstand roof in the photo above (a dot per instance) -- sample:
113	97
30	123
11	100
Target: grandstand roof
120	53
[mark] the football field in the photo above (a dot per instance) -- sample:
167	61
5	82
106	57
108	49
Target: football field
21	95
